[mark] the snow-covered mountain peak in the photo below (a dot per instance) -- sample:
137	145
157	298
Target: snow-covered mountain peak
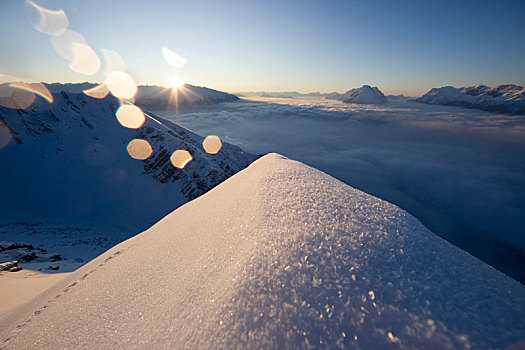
79	150
363	95
508	98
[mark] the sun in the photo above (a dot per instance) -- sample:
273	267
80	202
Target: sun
176	83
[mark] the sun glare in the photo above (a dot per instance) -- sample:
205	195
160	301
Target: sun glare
176	83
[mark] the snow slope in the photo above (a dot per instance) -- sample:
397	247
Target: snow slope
278	256
508	99
363	95
68	162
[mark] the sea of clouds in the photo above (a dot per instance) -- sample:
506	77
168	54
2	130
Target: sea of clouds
460	172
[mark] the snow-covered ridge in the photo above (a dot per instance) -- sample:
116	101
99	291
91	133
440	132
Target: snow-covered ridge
280	255
158	97
363	95
68	162
508	99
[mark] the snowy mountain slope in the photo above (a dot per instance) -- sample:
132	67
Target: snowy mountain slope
508	99
158	97
363	95
68	162
278	256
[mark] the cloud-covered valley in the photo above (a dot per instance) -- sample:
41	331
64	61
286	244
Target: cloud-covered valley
461	172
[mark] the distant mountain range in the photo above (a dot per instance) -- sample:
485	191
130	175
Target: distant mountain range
155	97
509	99
160	98
68	161
364	95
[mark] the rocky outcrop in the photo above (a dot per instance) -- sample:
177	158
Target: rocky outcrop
10	266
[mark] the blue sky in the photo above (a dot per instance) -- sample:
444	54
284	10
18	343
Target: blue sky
400	46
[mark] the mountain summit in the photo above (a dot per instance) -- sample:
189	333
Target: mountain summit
363	95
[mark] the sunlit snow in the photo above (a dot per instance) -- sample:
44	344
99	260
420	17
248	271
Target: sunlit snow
278	256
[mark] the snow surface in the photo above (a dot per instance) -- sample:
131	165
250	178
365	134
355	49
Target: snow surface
280	255
508	98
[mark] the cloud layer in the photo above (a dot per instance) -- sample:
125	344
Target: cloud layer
461	172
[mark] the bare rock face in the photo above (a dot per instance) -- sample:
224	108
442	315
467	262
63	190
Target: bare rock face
10	266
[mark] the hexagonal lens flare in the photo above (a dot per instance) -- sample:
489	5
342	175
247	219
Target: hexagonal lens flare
180	158
139	149
130	116
212	144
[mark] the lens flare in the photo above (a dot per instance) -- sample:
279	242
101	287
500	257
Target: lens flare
49	22
99	91
63	43
121	85
36	88
130	116
212	144
180	158
5	135
114	61
86	61
173	58
12	97
139	149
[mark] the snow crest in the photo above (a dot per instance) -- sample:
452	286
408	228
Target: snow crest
278	256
